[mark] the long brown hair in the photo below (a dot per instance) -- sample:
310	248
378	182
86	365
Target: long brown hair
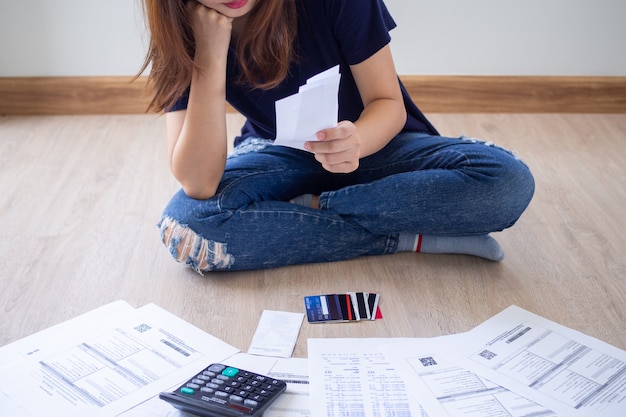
264	51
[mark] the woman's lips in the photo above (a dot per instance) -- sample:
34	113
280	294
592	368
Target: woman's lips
237	4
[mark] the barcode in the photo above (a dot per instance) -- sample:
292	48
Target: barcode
517	336
429	361
142	328
487	354
295	381
176	348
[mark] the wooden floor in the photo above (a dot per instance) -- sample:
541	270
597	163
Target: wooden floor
80	197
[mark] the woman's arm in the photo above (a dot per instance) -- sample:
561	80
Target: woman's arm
384	115
196	137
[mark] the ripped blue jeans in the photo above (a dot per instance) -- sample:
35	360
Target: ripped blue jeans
418	184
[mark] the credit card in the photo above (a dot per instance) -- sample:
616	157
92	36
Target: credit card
323	308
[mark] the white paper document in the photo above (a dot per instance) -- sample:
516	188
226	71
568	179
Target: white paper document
133	357
448	390
155	407
294	402
315	107
557	367
352	377
276	334
68	333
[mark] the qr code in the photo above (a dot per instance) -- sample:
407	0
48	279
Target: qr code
142	328
487	354
429	361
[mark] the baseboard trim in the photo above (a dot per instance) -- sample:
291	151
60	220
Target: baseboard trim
71	95
519	94
434	94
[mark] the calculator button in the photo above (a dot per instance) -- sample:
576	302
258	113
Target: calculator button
193	386
187	391
221	394
235	399
212	385
204	377
250	403
230	372
258	397
198	381
207	390
216	368
217	381
209	374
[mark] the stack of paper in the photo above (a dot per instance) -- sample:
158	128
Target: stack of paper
116	359
315	107
515	364
103	362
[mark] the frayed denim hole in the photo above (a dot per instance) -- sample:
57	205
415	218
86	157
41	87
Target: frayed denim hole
513	153
193	264
173	246
197	252
250	145
391	246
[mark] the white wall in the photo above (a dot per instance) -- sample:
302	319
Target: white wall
506	37
477	37
70	37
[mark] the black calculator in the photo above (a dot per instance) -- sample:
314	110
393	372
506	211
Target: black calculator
222	390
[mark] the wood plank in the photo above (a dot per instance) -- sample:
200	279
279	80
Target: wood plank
434	94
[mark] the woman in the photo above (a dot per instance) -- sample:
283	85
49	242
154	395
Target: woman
381	181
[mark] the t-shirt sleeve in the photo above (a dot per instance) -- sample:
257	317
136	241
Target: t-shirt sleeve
180	103
361	27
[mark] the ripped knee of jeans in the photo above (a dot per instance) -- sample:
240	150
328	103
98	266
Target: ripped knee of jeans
513	153
189	248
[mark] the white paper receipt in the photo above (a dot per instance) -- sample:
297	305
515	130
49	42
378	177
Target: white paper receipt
276	334
315	107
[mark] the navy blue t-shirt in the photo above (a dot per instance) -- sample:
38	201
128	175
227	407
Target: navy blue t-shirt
330	33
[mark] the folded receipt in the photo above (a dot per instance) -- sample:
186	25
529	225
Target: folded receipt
313	108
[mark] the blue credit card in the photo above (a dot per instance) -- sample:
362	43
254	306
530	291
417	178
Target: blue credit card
321	308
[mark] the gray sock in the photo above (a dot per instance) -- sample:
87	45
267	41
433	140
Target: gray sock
483	246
